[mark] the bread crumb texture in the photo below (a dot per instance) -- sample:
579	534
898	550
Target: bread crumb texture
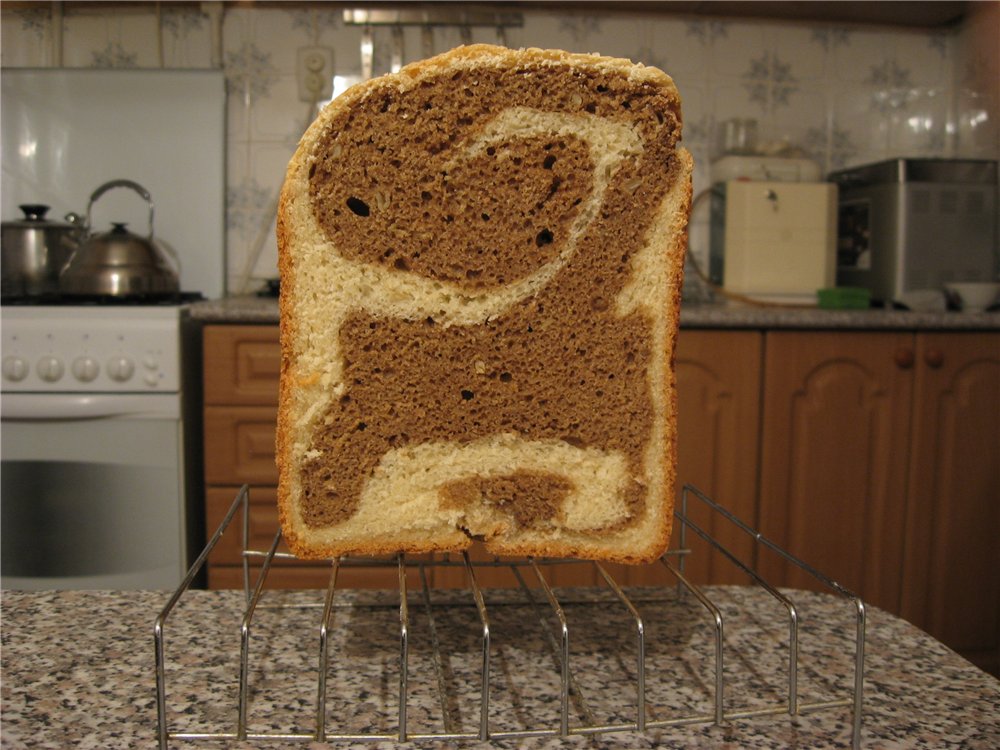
481	259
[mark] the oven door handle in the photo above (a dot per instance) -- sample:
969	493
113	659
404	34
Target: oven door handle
39	407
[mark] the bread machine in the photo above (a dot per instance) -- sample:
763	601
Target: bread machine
773	228
906	227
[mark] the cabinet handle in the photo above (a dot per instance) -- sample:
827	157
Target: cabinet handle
904	358
934	358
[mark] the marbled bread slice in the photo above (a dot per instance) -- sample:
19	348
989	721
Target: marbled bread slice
481	260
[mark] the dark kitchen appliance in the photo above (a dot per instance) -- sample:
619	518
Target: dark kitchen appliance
906	227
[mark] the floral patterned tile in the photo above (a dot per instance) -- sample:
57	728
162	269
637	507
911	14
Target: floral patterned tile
845	94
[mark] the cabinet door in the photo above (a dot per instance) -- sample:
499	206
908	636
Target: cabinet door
836	421
718	404
953	518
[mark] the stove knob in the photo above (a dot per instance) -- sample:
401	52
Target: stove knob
86	369
50	368
15	369
120	368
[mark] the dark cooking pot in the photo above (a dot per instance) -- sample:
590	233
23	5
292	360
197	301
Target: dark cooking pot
34	250
119	263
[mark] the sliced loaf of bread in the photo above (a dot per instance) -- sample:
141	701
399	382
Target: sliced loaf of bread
481	260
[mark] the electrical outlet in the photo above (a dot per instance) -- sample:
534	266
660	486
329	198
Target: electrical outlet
314	72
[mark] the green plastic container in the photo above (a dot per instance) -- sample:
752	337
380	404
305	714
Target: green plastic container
844	298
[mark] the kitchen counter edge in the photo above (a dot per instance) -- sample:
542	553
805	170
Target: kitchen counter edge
262	310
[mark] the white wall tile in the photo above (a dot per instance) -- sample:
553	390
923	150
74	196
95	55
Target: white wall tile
731	52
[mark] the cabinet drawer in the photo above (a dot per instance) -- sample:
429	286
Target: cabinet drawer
239	445
242	365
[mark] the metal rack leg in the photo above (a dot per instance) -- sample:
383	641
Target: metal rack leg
640	723
484	711
449	722
793	615
404	649
563	648
719	632
241	725
859	673
324	655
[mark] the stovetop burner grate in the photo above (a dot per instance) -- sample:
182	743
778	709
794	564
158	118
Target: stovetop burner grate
96	300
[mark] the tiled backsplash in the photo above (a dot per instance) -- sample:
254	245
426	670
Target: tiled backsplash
841	94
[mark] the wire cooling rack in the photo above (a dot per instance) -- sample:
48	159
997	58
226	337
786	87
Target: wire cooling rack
422	663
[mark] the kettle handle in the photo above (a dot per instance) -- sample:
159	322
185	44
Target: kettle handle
122	183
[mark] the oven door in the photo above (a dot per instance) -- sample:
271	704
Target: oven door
92	491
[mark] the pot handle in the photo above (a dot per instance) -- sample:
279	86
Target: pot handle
122	183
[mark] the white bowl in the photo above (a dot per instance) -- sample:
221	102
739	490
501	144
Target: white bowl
974	296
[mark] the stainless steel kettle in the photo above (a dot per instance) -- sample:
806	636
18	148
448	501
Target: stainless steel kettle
34	251
119	263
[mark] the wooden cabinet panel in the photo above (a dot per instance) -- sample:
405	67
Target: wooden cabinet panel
836	418
718	382
718	423
242	364
952	571
239	445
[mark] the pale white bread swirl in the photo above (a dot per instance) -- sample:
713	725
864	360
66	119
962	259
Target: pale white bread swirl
481	260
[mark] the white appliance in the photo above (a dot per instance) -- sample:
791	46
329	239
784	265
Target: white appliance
773	235
67	131
92	460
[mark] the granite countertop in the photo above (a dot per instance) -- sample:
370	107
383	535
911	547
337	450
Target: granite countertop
263	310
78	670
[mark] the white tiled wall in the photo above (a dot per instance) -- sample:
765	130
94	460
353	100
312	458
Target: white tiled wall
842	95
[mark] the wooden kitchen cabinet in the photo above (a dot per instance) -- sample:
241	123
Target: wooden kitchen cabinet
880	466
951	572
836	419
718	426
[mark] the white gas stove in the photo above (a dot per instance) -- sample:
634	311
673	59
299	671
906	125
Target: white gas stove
93	448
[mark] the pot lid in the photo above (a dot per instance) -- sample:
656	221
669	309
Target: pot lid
34	218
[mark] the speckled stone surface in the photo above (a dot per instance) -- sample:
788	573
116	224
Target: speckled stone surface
260	310
78	671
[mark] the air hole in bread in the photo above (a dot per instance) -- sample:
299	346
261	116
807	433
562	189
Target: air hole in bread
358	206
543	238
467	394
